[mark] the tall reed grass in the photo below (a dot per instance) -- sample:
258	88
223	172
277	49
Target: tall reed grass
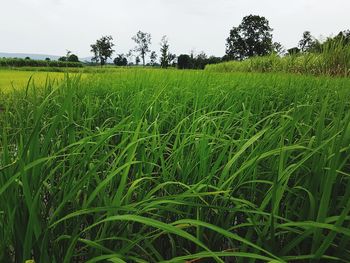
333	60
173	166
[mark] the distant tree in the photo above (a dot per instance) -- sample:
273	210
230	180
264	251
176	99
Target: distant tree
47	59
143	41
293	51
253	37
73	58
153	58
27	58
137	60
164	51
172	59
200	60
184	61
120	60
278	49
213	60
63	59
308	42
342	38
102	49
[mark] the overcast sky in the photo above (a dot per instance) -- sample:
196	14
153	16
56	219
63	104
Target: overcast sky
52	26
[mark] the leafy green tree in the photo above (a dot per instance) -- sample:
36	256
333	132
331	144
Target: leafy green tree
73	58
184	62
102	49
153	58
63	59
143	41
172	59
278	49
164	51
120	60
200	60
166	58
308	43
47	59
253	37
293	51
137	60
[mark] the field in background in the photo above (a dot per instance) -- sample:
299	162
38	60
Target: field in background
174	166
14	79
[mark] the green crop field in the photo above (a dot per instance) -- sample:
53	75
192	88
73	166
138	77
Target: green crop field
175	166
14	79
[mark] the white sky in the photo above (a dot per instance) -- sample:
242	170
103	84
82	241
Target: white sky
52	26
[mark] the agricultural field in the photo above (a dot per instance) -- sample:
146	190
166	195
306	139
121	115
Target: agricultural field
14	79
150	165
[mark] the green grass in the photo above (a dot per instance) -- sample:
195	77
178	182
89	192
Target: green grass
11	79
175	166
333	60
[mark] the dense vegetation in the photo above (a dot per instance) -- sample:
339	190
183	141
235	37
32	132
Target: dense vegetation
331	58
150	166
19	62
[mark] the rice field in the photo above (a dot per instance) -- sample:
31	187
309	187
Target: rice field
176	166
13	79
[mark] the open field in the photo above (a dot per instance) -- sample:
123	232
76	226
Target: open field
14	79
175	166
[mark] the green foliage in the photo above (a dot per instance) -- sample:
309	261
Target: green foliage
18	62
73	58
143	41
185	61
333	60
102	50
153	58
164	50
120	60
175	166
251	38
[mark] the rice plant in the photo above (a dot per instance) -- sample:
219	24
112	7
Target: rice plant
176	166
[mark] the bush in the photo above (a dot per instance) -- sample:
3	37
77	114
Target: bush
18	62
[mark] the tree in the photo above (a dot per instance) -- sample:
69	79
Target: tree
27	58
184	61
63	59
73	58
153	58
278	49
307	43
120	60
102	49
143	41
253	37
47	59
293	51
164	50
171	59
200	61
166	57
137	60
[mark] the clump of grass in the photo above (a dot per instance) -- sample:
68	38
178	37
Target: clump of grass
333	60
172	166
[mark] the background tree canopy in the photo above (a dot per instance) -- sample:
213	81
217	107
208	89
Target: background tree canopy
253	37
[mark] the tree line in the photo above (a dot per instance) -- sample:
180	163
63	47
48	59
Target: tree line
253	37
